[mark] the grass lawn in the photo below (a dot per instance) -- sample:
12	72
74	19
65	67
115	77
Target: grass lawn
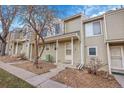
82	79
7	80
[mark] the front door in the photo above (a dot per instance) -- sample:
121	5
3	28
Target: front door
117	56
68	51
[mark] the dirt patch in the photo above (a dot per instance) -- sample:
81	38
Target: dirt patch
43	67
9	59
82	79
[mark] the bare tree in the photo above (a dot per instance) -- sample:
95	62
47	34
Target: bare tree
40	18
7	15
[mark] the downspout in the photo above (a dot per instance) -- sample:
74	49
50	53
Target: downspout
82	43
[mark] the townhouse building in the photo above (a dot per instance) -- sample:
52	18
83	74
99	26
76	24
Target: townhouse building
78	39
104	39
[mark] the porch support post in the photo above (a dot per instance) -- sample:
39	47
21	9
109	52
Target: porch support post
109	58
122	53
72	50
81	52
7	48
57	51
22	48
12	50
16	48
28	48
31	52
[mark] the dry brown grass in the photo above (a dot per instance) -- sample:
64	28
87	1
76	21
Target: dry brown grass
43	67
9	59
81	79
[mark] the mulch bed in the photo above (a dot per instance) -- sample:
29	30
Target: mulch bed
43	67
9	59
82	79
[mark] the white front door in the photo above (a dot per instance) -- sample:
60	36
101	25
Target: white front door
117	57
68	56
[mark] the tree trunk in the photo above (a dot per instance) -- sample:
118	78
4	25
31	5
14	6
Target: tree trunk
36	52
3	48
43	46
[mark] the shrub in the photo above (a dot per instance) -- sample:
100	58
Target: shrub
49	58
22	56
93	65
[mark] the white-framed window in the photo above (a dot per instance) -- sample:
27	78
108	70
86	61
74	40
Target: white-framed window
93	29
68	48
92	51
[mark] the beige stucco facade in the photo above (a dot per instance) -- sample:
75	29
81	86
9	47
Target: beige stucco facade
72	25
99	43
115	25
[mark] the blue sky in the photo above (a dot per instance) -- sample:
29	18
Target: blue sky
68	10
90	10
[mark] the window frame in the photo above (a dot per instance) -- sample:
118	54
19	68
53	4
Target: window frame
89	51
47	47
100	21
68	48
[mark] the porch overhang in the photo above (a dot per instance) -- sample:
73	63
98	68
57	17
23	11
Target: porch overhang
62	37
115	41
19	40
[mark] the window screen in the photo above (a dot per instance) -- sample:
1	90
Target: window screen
92	51
96	28
92	29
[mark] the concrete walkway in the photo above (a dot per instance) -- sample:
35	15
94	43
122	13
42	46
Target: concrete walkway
120	79
40	81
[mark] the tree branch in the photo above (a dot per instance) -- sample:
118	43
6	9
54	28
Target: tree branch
1	38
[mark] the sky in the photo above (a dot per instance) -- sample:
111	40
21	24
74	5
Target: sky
69	10
89	10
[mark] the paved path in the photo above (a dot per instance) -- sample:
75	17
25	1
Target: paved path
120	79
42	80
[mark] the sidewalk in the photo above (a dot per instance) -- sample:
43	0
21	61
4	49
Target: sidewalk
120	79
40	81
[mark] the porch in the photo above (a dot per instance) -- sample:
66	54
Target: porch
65	48
115	51
18	47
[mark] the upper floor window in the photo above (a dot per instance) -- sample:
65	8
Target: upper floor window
44	32
57	29
51	31
93	29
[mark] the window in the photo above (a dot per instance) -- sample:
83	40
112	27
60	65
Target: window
57	29
96	28
92	29
92	51
47	47
68	48
44	32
